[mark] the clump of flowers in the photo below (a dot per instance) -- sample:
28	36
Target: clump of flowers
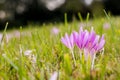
89	43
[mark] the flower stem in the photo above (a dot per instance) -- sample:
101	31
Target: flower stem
93	60
80	52
73	58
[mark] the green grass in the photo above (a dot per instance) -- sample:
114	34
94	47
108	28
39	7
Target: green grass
49	55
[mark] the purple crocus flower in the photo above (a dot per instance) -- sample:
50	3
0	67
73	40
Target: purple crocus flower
68	41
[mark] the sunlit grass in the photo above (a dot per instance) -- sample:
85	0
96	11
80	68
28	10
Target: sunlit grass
38	53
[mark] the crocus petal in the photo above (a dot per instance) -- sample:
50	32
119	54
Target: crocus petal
85	40
95	47
81	37
92	35
101	44
79	41
91	38
67	40
75	36
71	40
95	41
63	40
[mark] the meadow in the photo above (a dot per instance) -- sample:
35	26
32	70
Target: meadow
37	53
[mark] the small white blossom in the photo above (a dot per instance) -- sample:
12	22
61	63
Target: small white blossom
28	52
54	76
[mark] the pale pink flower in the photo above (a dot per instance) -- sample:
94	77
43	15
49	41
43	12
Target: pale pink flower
55	30
106	26
68	41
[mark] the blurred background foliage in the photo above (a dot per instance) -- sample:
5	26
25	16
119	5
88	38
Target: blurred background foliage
22	12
